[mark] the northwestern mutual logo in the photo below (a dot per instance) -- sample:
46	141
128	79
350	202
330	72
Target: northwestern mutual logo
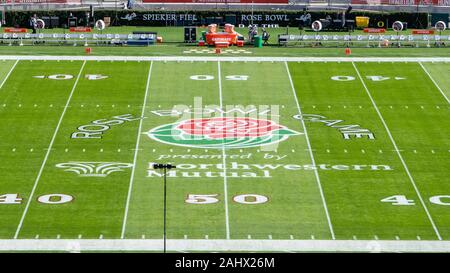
93	169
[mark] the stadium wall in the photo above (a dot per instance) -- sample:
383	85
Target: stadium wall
185	18
431	6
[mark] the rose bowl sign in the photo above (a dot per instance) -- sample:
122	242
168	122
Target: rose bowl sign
221	132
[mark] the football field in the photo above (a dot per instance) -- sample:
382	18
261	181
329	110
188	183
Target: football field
282	155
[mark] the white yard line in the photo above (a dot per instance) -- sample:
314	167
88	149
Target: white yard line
225	59
313	161
435	83
399	154
9	73
225	182
30	198
136	151
244	245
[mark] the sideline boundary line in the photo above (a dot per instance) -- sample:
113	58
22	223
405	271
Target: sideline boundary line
9	73
130	187
435	83
313	161
79	245
225	59
30	197
399	154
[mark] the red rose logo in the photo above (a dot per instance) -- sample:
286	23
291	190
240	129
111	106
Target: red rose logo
226	128
222	133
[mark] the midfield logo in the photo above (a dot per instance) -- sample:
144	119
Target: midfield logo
93	169
222	132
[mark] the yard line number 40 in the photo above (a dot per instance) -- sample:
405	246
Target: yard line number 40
57	198
401	200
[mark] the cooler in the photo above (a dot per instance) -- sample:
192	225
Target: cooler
362	21
258	42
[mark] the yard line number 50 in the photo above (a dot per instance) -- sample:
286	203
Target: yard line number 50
58	198
250	199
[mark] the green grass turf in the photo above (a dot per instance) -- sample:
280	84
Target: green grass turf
269	51
363	189
4	69
173	45
170	85
26	127
425	130
290	195
413	109
440	73
176	34
122	93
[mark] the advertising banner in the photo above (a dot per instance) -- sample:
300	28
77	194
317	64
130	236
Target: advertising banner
220	1
40	1
403	2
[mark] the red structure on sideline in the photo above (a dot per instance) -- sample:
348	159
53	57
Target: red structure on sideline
15	30
228	36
